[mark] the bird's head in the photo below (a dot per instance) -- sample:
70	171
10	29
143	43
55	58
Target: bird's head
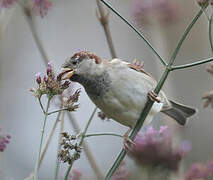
81	65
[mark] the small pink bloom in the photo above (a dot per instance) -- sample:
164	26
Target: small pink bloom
41	7
38	77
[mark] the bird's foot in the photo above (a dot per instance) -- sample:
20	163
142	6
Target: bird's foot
153	96
127	141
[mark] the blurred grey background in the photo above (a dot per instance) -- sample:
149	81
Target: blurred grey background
68	27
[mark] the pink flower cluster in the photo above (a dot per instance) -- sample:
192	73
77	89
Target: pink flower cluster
7	3
50	84
200	171
154	148
4	140
166	11
41	7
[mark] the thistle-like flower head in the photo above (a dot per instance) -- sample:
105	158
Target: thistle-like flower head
154	148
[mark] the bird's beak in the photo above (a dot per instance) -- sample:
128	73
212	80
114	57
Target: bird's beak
66	73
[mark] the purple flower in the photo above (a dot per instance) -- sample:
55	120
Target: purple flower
41	7
199	171
154	148
144	10
7	3
4	140
38	77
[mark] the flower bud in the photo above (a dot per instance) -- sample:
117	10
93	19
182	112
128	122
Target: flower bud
45	78
49	69
38	77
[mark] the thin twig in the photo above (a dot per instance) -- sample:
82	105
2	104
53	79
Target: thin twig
63	109
59	144
88	152
41	105
183	37
49	139
41	140
191	64
210	33
103	134
137	31
31	22
104	20
82	139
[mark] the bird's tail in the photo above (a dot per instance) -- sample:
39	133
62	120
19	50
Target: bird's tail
179	112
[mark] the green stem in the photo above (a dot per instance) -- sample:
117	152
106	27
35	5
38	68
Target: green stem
191	64
149	103
210	33
137	31
103	134
41	140
41	105
82	139
186	32
59	144
59	110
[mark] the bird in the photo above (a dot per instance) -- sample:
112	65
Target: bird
121	89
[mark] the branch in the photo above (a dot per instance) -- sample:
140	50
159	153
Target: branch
82	139
191	64
183	37
59	144
49	140
59	110
137	31
103	134
210	32
104	20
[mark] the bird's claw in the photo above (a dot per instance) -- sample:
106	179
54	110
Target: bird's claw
153	96
128	143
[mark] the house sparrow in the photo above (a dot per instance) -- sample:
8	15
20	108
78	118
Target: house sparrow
120	89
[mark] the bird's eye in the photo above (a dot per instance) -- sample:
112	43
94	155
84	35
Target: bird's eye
74	62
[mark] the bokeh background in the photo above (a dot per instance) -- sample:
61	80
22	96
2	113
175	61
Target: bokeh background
68	27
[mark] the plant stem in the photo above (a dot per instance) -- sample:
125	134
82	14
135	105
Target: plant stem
137	31
49	139
103	134
41	140
149	103
82	139
31	22
41	105
59	110
87	151
104	20
183	37
59	144
191	64
210	33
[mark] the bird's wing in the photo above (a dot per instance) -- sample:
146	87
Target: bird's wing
139	69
